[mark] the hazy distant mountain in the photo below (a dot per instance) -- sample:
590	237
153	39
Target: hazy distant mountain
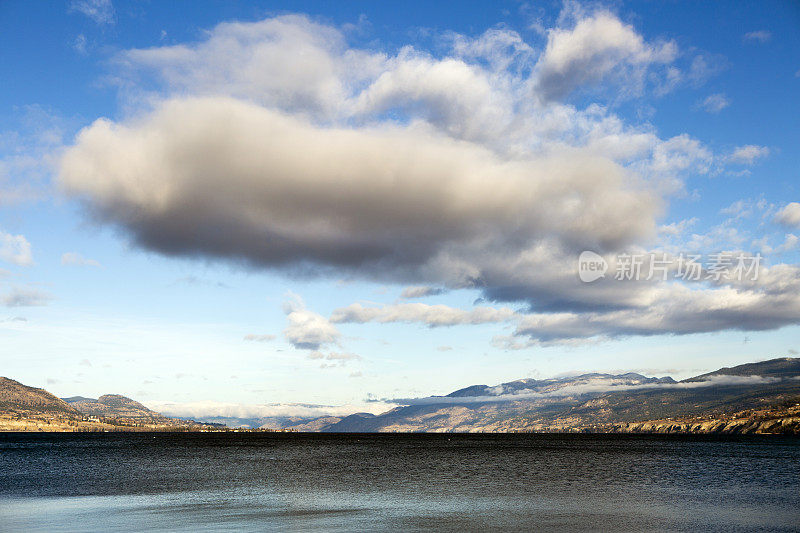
591	401
316	424
266	422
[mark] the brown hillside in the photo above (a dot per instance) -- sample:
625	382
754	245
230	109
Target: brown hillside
22	399
118	406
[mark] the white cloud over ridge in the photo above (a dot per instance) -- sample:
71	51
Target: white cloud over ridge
468	170
206	409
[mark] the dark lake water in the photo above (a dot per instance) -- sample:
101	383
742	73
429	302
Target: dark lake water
294	482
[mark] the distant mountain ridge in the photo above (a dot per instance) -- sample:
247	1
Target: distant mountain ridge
783	367
551	385
116	406
24	408
595	402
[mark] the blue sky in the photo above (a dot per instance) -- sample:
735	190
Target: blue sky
225	205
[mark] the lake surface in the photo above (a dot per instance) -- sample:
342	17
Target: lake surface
318	482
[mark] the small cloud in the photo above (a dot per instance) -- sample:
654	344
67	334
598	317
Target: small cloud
676	229
336	358
76	259
51	381
333	356
100	11
739	209
715	103
421	291
259	338
307	330
789	244
747	154
15	249
356	374
342	356
789	215
760	36
194	281
705	66
26	298
444	348
80	44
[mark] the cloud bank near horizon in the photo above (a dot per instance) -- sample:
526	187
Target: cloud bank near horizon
208	409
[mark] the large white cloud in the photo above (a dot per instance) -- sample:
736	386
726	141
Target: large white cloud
220	177
278	145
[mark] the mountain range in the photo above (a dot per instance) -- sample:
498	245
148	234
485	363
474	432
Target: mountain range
755	397
762	397
24	408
